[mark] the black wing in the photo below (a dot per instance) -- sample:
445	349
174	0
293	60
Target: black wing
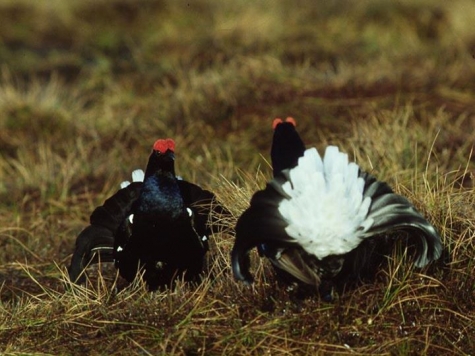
208	211
261	223
391	212
99	237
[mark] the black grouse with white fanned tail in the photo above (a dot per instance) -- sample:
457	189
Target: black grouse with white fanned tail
157	227
317	219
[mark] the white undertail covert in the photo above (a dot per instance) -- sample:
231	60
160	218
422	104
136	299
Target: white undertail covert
325	209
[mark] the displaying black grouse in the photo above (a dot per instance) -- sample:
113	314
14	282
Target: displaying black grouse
158	227
320	219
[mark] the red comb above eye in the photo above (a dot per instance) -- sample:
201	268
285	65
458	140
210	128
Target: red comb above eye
276	122
291	120
164	145
171	144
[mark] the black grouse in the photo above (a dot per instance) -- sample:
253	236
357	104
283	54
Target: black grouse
157	227
323	220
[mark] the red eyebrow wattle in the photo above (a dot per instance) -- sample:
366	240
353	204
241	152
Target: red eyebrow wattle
164	145
276	122
291	120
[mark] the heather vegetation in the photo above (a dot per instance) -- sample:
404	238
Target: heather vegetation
87	86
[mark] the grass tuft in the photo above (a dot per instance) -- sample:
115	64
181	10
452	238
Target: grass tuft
86	87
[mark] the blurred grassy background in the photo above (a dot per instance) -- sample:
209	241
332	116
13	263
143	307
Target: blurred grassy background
87	86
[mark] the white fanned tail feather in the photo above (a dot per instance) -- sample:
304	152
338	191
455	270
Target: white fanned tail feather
124	184
137	176
331	207
325	205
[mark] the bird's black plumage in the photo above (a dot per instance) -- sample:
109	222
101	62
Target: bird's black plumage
159	226
96	242
287	146
263	225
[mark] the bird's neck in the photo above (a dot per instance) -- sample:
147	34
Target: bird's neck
286	150
160	196
154	167
284	158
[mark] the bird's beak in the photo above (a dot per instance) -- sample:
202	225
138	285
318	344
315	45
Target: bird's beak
170	154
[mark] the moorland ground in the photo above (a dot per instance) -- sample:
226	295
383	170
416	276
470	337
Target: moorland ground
87	86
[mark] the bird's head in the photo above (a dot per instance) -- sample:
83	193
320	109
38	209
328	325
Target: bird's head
290	121
287	146
164	146
162	157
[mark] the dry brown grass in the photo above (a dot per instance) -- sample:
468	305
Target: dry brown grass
87	86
